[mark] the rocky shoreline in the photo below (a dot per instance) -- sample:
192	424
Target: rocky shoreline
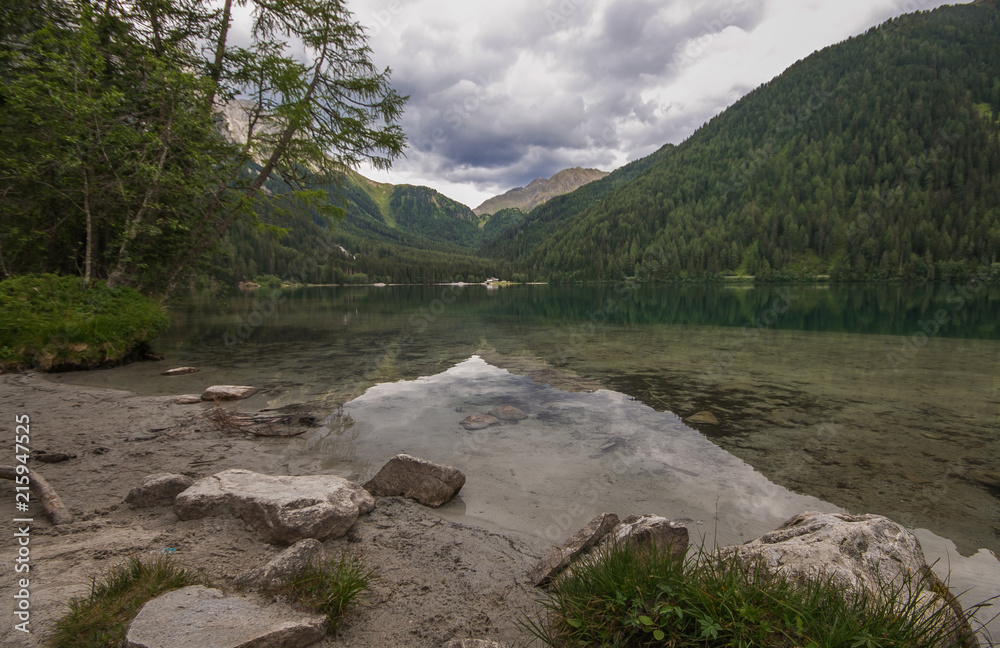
439	580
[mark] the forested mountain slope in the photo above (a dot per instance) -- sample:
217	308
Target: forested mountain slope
391	233
876	158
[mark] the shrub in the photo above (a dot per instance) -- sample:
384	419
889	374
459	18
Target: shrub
268	281
331	588
633	598
56	323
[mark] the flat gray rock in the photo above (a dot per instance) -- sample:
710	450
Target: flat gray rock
158	490
429	483
289	562
198	617
188	399
282	509
559	558
228	392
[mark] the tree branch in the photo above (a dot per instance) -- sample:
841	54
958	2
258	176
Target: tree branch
47	495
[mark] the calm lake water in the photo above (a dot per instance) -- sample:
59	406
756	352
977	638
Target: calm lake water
866	399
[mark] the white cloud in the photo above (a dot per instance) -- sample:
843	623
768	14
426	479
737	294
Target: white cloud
502	93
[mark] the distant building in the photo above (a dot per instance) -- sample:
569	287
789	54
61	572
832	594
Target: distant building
492	280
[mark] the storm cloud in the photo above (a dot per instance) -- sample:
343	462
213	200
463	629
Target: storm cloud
502	93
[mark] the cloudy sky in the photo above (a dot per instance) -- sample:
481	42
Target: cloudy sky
504	91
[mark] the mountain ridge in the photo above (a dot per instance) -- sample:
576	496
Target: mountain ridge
876	158
540	191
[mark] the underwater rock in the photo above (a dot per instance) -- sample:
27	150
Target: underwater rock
479	421
508	413
180	371
228	392
703	417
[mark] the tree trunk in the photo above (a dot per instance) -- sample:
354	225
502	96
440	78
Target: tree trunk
215	70
117	276
88	261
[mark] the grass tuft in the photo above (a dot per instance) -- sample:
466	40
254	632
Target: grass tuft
629	597
331	588
101	619
57	323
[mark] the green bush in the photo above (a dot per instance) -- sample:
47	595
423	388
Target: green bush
268	281
357	278
632	598
331	588
101	619
55	323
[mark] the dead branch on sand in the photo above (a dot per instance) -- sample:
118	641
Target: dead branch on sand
51	502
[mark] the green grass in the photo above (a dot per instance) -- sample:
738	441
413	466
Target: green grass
331	588
633	598
57	323
101	619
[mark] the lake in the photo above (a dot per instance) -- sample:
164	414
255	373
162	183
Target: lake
869	399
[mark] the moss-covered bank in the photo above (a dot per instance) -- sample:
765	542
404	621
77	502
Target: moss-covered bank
58	323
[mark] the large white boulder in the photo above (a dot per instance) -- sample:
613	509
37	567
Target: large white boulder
283	509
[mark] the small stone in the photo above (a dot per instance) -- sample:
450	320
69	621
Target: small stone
429	483
473	643
228	392
180	371
198	616
289	562
479	421
188	399
158	490
559	558
706	418
508	413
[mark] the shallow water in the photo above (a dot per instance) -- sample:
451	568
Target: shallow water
883	400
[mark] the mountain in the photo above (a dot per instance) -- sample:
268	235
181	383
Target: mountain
390	233
427	217
540	190
876	158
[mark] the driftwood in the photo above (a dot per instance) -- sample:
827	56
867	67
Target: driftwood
47	495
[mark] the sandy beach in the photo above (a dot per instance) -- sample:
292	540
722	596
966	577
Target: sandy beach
438	579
